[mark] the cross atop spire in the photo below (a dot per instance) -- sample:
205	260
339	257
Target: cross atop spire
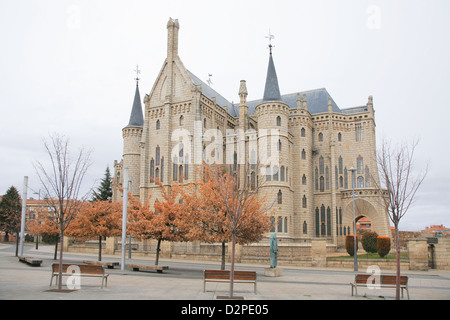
137	74
270	37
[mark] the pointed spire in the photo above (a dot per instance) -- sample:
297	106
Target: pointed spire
272	90
243	92
136	117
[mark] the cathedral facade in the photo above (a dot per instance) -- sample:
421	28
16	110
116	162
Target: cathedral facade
300	149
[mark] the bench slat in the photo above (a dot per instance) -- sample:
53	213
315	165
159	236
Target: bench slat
224	276
387	281
85	271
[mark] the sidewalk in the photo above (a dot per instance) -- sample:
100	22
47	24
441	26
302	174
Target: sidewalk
183	281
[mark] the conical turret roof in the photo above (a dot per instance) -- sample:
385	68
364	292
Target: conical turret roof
136	117
272	90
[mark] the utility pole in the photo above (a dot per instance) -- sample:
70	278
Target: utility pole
124	216
355	256
24	210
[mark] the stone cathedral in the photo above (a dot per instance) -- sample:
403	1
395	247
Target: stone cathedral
321	148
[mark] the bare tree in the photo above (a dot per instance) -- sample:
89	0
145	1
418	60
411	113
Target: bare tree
61	182
399	183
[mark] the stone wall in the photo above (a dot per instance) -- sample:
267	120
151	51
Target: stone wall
316	253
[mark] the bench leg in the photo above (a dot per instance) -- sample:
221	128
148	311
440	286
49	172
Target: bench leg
355	288
407	291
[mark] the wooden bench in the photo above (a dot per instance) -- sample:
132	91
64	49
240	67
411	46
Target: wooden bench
31	261
108	264
224	276
385	281
86	270
137	267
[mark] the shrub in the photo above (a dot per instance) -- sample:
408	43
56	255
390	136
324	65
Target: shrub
369	241
349	244
383	245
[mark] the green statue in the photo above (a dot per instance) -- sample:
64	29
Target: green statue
273	250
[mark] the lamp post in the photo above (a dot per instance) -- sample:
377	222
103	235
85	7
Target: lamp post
353	171
24	211
39	212
124	216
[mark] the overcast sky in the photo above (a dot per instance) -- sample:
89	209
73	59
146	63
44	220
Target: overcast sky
67	67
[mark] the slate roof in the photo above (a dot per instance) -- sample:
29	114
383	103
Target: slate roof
271	90
136	117
317	99
211	93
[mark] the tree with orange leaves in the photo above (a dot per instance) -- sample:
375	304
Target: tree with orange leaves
44	225
166	222
97	219
224	211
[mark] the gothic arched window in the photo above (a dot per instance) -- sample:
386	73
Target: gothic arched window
321	165
360	182
280	197
158	155
367	177
359	165
152	170
317	222
272	221
279	121
268	174
275	173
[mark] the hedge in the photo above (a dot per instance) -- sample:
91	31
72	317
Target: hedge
369	241
383	245
349	239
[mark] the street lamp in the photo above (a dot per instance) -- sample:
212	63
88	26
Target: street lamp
39	212
124	215
353	171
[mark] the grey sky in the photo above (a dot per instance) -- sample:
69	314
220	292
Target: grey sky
67	67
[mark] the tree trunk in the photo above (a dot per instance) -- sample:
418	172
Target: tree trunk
100	248
397	249
222	267
157	252
61	260
17	244
233	247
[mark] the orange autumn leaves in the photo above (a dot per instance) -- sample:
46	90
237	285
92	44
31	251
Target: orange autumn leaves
210	210
218	208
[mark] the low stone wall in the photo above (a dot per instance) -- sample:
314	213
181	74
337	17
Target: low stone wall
442	254
363	264
313	254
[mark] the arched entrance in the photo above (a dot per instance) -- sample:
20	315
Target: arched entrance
364	209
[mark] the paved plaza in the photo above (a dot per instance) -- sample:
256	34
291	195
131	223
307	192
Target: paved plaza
183	281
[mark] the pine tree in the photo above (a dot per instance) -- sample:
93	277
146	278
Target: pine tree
104	191
10	211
